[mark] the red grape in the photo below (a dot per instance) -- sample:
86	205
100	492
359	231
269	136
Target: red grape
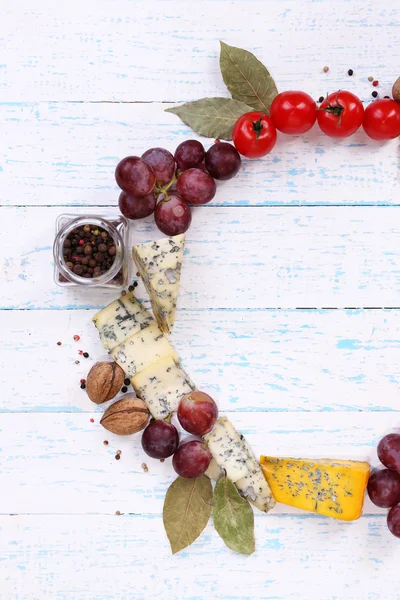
389	451
160	439
173	216
223	161
196	186
393	520
189	154
136	208
162	162
192	459
384	488
134	176
197	413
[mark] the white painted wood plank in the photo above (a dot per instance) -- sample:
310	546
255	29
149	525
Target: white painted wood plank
148	50
57	463
235	258
129	557
247	360
54	154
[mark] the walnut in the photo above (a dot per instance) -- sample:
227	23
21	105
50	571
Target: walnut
104	381
126	416
396	90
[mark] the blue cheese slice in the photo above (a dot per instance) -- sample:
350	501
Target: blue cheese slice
226	447
143	349
161	386
159	264
254	486
121	319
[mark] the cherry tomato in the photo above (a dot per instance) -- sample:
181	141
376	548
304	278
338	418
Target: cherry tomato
340	114
293	112
382	119
254	134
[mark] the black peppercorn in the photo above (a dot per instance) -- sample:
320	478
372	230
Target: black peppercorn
135	284
85	355
83	386
350	72
374	94
117	457
124	389
321	99
127	381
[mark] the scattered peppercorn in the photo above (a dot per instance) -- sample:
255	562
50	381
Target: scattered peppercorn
83	386
370	78
145	467
80	352
321	99
58	343
375	83
105	443
123	293
127	381
76	338
350	72
118	512
119	451
130	288
162	459
137	274
135	284
374	94
83	380
325	69
77	362
117	457
92	420
85	355
387	97
124	389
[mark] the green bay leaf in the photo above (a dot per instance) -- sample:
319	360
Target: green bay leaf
233	517
187	509
211	117
246	78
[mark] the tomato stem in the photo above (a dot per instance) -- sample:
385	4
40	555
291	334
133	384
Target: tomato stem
258	126
334	109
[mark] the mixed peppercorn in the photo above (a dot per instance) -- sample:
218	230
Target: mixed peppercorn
89	251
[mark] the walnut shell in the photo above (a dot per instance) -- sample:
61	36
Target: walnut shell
126	416
396	90
104	381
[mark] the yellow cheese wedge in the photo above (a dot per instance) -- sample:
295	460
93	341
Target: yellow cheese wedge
334	488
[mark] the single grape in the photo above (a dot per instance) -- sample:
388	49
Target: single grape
389	451
384	488
173	216
197	413
192	459
189	154
160	439
196	186
393	520
223	161
162	162
136	208
134	176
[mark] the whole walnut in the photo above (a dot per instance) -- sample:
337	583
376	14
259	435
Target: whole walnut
104	381
396	90
126	416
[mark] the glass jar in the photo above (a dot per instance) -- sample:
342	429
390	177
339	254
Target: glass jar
116	227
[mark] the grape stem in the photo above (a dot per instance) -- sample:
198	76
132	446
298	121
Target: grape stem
164	190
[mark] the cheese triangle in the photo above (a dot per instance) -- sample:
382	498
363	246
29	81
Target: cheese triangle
159	264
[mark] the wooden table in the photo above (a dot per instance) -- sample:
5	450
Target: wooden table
288	309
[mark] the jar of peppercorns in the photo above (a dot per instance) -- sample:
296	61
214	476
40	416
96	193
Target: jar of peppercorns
90	250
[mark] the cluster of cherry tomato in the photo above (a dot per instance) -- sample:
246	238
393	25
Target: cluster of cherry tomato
293	112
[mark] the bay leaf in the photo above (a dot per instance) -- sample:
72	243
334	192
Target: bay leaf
187	509
211	117
246	78
233	517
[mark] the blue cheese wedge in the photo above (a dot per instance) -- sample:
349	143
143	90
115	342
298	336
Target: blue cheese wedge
254	486
161	386
121	319
159	264
214	472
226	447
143	349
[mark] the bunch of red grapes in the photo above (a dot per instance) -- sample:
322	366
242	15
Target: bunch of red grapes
197	413
167	185
384	485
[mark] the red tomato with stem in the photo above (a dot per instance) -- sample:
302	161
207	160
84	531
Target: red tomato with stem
340	114
254	134
293	112
382	119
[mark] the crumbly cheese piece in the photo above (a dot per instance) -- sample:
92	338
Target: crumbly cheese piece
121	319
159	264
214	472
254	486
334	488
143	349
161	386
226	447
